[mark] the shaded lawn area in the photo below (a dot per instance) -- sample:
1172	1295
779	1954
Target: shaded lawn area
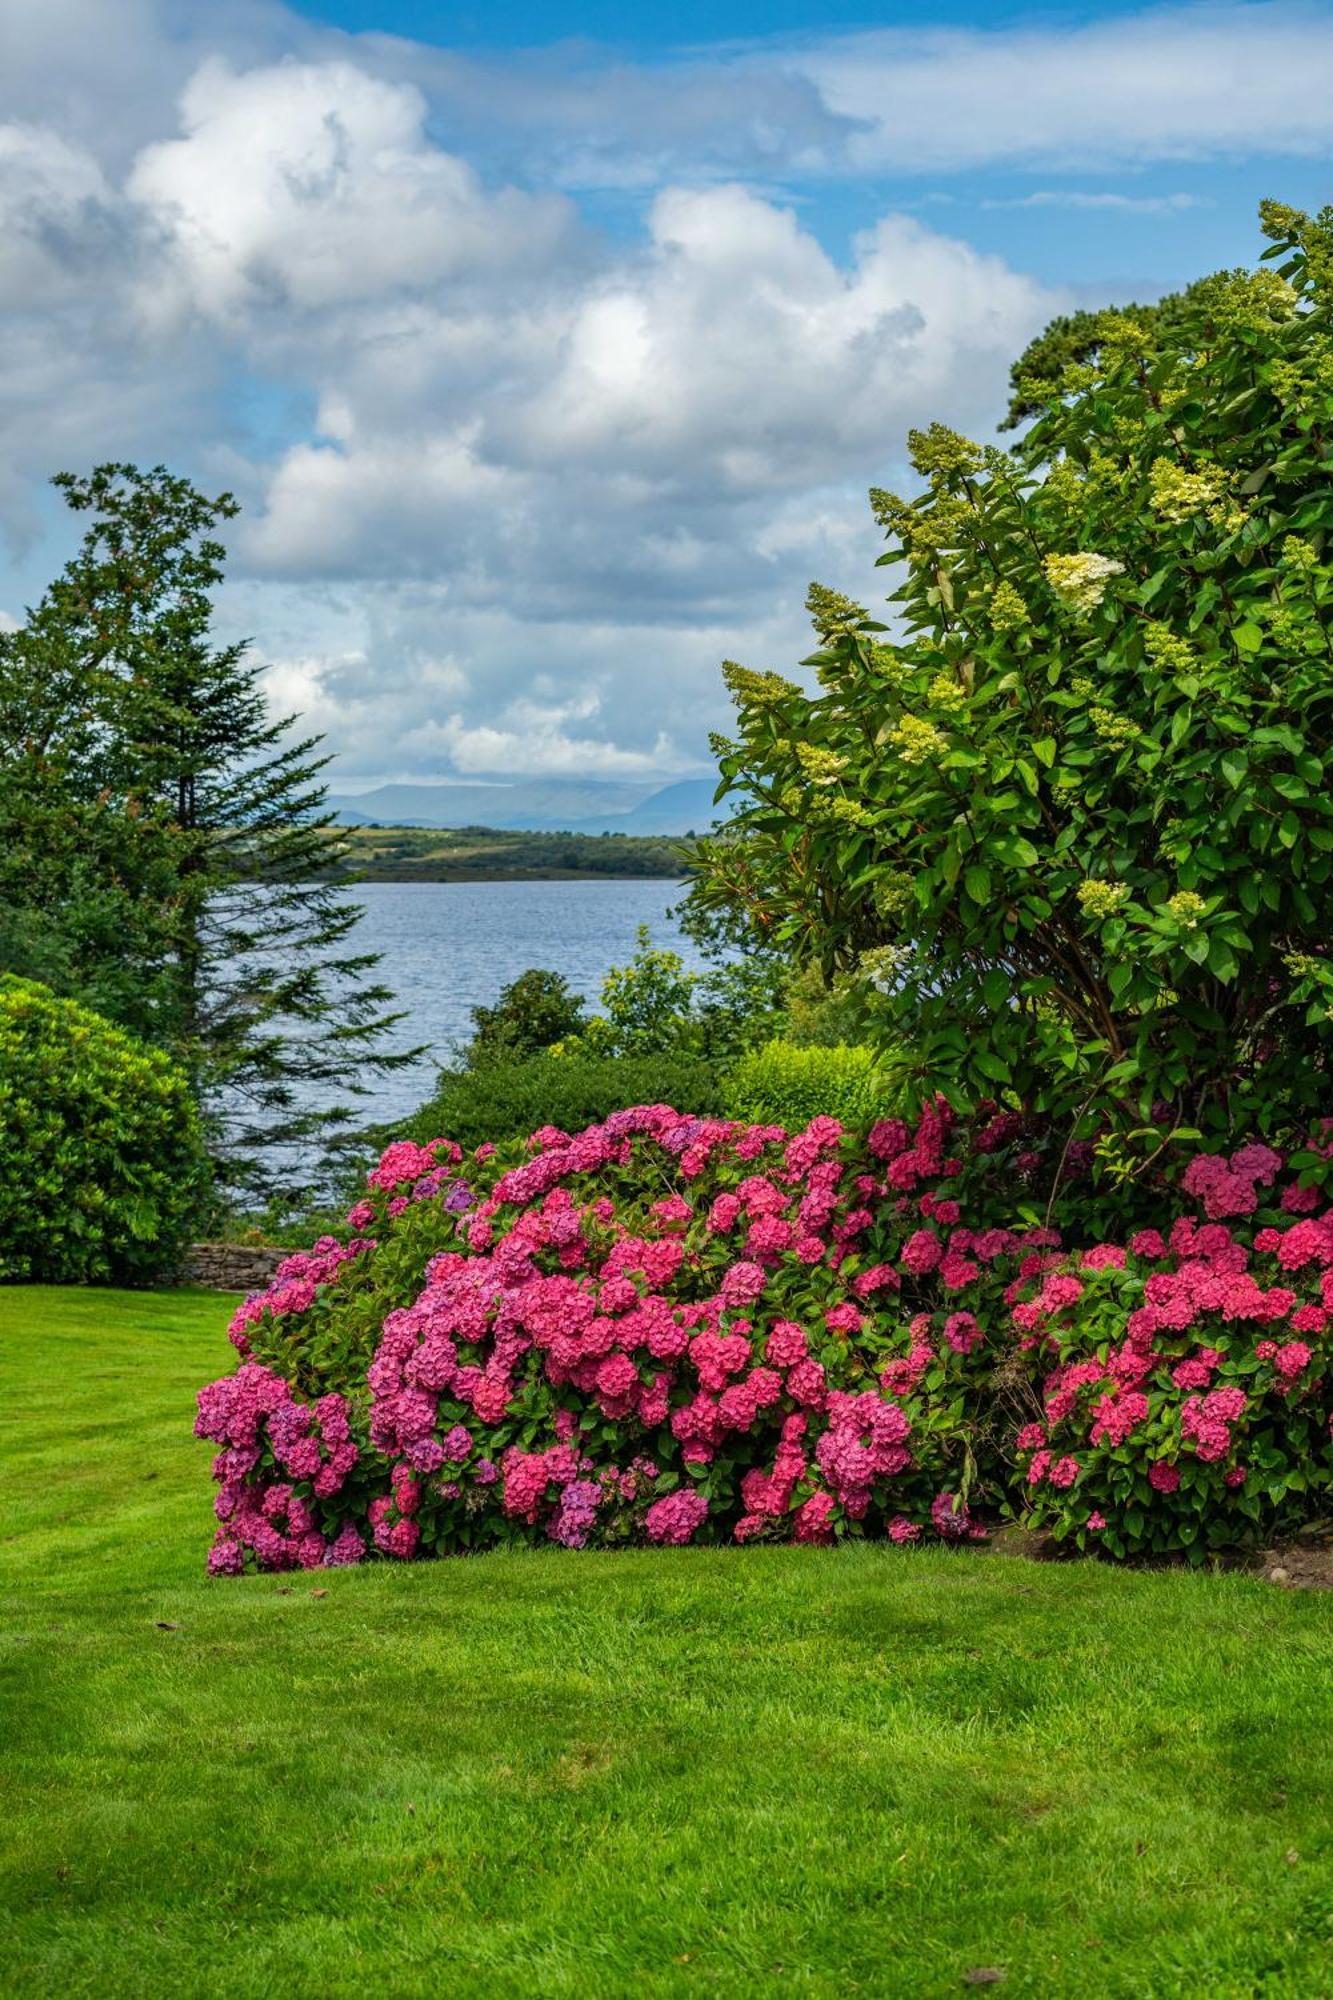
862	1770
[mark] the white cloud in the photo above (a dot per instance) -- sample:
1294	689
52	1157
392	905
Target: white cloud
1189	83
1192	82
528	481
634	436
314	185
1103	200
56	216
551	479
531	738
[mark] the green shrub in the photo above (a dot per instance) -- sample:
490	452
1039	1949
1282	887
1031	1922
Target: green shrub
102	1168
533	1012
782	1084
510	1101
1071	831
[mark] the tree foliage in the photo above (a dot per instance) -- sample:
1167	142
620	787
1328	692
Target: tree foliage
163	833
532	1013
1071	343
1073	828
102	1169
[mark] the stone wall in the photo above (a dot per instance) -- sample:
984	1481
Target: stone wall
231	1267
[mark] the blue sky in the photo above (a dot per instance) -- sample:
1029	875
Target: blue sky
664	30
550	349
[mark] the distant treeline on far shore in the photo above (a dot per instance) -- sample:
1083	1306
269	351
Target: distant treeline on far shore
487	854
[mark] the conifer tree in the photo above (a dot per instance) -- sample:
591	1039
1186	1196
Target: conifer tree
169	844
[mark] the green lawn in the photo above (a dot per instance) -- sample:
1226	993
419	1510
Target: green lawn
687	1772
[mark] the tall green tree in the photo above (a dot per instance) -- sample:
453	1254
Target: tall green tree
1063	359
168	836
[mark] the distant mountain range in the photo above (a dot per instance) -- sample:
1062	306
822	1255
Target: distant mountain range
540	805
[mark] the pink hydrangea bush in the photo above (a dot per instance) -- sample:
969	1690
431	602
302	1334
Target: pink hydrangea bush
668	1329
663	1329
1184	1378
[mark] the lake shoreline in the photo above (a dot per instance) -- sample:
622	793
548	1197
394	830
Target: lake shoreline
491	854
464	874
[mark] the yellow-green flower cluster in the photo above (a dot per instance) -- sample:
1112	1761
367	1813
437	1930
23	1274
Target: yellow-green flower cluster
754	690
887	660
1112	728
944	526
1229	516
1293	629
1253	301
1178	495
1064	483
1100	900
892	893
1185	908
923	530
891	511
1007	609
831	612
1288	381
944	692
916	741
839	810
1280	222
944	451
1298	556
1121	333
1301	965
1167	651
821	767
1079	581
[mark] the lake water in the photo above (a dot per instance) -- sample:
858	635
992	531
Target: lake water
447	947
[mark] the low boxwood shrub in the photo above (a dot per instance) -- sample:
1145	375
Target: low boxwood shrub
102	1169
672	1328
505	1101
789	1085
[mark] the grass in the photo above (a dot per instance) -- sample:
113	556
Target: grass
690	1772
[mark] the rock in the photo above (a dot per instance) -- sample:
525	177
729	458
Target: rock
231	1267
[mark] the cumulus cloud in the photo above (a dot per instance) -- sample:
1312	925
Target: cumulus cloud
57	216
310	185
513	483
564	472
618	430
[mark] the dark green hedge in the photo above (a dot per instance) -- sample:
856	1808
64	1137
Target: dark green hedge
510	1101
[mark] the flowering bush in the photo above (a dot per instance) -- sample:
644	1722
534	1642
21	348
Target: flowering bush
1185	1386
670	1329
1070	831
663	1329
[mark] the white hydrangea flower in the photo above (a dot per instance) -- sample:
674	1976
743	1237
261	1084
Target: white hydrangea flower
1079	581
